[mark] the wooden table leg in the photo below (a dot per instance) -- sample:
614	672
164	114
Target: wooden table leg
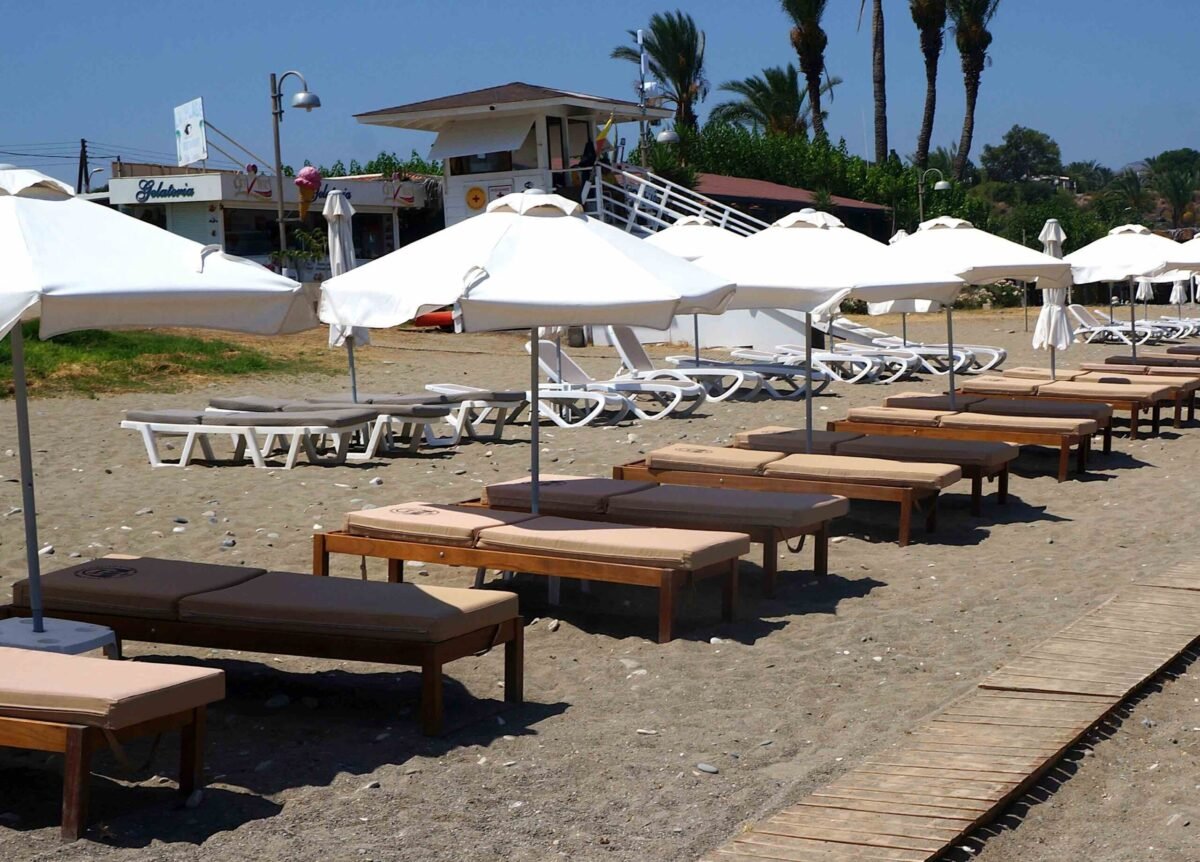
932	517
906	506
431	697
821	551
320	556
191	753
395	571
1002	487
977	494
76	777
1135	415
1081	456
770	564
1156	417
1064	460
666	608
1177	417
514	665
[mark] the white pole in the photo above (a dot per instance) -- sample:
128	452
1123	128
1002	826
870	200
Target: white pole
353	371
1132	320
950	351
808	392
32	560
535	419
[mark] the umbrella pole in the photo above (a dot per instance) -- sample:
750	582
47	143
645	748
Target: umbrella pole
904	329
32	560
1053	377
1025	303
696	337
808	409
950	352
535	422
353	371
1132	320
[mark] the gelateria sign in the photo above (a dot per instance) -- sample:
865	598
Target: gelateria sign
252	188
179	189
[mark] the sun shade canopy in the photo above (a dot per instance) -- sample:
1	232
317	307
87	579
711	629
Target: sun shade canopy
476	137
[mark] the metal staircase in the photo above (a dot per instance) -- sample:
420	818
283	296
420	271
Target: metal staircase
644	203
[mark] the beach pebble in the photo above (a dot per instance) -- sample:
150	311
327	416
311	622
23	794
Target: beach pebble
317	527
370	785
145	510
46	551
646	731
459	472
228	543
1148	722
180	520
708	767
208	514
179	529
553	625
278	701
377	481
629	664
8	453
75	555
837	540
272	535
631	438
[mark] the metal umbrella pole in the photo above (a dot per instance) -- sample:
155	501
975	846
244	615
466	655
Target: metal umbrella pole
950	352
353	370
696	337
21	399
904	329
808	392
1132	320
1025	302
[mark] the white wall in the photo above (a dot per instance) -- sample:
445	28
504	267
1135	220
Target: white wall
194	221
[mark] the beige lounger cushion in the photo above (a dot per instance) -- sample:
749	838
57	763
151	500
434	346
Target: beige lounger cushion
1187	384
1001	386
428	522
561	495
298	603
131	586
725	508
1025	372
921	401
781	438
617	543
866	471
1100	391
1169	371
1099	412
896	416
710	459
96	692
964	453
1030	424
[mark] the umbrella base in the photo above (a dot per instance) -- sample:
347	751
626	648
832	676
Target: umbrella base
61	636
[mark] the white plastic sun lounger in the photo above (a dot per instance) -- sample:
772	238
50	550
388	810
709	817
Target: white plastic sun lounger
719	382
1093	330
933	357
566	408
847	366
568	375
780	380
1161	328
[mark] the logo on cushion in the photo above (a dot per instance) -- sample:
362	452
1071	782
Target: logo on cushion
413	510
106	572
700	450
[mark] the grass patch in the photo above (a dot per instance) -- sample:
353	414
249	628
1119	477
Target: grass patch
92	361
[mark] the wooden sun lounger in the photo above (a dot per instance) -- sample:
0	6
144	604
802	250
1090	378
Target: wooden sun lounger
1134	401
717	467
952	425
75	706
767	518
251	610
661	558
1183	386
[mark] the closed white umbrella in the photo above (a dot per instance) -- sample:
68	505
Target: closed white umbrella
1053	329
79	265
1052	237
338	218
532	259
1179	295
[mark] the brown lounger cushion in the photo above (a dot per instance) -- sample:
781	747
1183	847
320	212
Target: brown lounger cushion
1152	358
896	416
964	453
866	471
710	459
617	543
781	438
725	508
1000	386
561	495
1030	424
1099	412
1187	384
1101	391
1170	371
305	603
921	401
1025	372
1184	350
96	692
428	522
131	586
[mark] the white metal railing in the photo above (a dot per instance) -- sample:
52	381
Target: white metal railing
644	203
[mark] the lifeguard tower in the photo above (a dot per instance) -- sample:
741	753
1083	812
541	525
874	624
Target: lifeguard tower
512	137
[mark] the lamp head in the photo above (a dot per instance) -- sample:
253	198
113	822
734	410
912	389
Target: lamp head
306	100
667	136
941	186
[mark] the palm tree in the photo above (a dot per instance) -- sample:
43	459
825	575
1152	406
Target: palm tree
1128	192
1178	186
773	101
930	18
878	77
675	50
809	41
971	34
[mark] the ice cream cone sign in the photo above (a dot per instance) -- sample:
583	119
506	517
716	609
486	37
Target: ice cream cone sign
308	181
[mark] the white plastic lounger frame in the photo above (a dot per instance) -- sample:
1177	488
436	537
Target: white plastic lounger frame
932	357
782	381
719	383
567	374
246	442
378	437
1093	331
566	408
845	367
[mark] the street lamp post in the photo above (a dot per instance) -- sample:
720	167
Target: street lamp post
940	186
303	99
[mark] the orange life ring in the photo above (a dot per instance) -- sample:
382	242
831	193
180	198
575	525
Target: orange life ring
476	198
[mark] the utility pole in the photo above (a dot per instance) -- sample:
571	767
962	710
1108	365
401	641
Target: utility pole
83	167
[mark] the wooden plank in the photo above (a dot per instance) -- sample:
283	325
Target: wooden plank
1028	683
965	806
940	772
916	786
1014	721
780	847
855	837
935	745
1014	763
1170	582
1069	699
876	822
875	806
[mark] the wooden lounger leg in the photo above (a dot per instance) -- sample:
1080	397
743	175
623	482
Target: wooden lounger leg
1064	460
729	593
320	555
1135	415
76	777
977	494
770	564
931	517
906	507
1191	411
821	551
1156	418
1108	438
395	571
1002	487
1081	456
191	753
431	697
666	608
1177	419
514	664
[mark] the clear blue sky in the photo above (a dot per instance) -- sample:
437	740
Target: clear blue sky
1108	79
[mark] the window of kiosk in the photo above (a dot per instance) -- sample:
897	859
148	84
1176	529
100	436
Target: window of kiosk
482	163
557	143
250	232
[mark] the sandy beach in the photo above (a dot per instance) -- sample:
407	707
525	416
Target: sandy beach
323	760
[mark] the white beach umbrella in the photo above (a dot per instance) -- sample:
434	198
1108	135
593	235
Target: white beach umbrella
532	259
1053	329
79	265
897	236
339	215
1179	295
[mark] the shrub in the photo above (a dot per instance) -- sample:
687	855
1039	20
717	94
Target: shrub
971	297
1006	294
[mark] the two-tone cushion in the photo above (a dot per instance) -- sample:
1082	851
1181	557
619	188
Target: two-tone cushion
1187	384
725	508
965	453
1017	424
1101	391
710	459
867	471
922	401
296	604
781	438
432	523
1026	372
96	692
1098	412
1001	386
561	495
617	543
131	586
897	416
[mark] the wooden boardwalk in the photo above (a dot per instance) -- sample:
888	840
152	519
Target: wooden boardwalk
966	764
